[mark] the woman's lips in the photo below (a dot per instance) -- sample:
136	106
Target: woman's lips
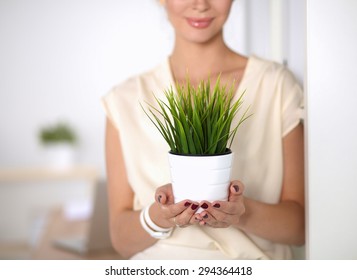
199	22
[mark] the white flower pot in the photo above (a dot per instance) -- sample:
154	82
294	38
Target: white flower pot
59	156
200	177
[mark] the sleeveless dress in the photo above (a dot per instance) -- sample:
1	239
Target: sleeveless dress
276	102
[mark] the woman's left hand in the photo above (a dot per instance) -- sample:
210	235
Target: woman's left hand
222	214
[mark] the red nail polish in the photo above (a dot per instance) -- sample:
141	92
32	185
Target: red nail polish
204	205
216	205
194	206
187	204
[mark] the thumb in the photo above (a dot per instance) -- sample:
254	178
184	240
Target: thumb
163	194
236	190
161	197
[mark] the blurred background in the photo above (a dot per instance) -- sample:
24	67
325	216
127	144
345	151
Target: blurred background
57	59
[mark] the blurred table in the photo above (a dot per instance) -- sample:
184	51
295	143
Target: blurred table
19	174
59	227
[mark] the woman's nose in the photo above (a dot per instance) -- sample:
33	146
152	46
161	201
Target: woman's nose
201	5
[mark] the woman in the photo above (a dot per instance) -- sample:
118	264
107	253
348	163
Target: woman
264	213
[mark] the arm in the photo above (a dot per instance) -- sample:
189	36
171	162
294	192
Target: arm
123	220
127	235
283	222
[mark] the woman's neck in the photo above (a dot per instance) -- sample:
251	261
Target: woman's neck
200	61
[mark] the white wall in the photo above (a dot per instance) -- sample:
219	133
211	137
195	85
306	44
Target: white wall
59	57
295	37
332	129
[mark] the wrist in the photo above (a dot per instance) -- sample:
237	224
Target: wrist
155	215
244	218
151	228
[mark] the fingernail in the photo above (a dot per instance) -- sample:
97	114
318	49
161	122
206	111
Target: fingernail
194	206
187	204
159	198
204	205
217	205
205	216
236	188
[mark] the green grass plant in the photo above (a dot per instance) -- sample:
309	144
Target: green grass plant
197	120
58	133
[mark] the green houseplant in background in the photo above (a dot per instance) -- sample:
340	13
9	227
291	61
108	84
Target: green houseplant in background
58	133
199	125
59	141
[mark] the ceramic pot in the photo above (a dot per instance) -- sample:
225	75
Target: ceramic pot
200	177
59	155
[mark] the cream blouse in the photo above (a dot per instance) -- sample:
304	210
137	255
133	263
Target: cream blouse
276	101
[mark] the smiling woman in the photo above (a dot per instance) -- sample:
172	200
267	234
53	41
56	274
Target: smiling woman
197	21
263	213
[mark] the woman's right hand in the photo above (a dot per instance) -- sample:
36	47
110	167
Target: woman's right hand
166	213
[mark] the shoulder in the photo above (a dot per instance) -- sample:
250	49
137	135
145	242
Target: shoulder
123	101
267	76
270	70
141	84
264	66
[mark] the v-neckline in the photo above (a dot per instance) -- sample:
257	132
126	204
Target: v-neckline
238	90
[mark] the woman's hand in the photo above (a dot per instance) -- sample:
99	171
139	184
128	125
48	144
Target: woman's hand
166	213
222	214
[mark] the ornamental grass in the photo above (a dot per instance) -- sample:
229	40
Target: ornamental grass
198	120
